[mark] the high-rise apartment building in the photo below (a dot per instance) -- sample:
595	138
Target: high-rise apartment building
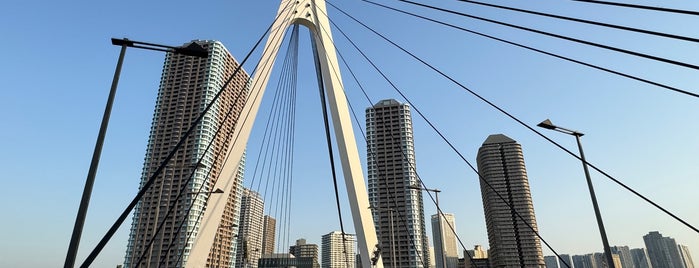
662	251
640	258
249	237
551	261
566	261
188	84
686	256
477	257
585	261
268	234
305	250
444	241
511	228
624	255
398	211
338	252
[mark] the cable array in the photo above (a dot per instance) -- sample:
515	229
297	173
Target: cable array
277	163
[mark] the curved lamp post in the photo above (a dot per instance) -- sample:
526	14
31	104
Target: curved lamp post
607	252
191	50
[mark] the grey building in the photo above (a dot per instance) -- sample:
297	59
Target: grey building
640	258
662	251
624	256
551	261
567	261
279	260
511	228
585	261
444	241
398	215
186	86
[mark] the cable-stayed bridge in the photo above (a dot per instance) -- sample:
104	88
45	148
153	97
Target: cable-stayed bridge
457	81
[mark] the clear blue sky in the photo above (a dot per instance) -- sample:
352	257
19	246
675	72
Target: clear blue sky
56	66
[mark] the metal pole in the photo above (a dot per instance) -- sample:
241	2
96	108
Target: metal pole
598	215
393	240
90	181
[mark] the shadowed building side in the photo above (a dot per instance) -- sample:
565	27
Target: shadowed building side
512	242
187	86
391	170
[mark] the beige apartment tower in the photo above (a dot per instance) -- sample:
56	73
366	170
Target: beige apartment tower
504	181
268	234
187	86
398	210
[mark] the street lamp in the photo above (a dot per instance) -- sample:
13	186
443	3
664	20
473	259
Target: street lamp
393	242
439	219
191	50
607	252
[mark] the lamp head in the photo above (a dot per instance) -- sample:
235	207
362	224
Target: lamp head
547	124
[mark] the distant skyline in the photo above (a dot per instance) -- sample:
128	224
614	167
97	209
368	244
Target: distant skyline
57	65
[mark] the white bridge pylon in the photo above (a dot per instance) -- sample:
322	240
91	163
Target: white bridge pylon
312	14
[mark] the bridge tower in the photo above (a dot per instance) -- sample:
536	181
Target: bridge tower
313	15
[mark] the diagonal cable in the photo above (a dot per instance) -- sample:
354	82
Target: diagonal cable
670	10
542	51
576	40
619	27
522	123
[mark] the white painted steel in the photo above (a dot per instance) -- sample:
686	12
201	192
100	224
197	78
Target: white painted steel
312	14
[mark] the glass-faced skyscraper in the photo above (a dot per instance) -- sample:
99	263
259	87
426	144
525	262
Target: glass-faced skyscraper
397	210
188	84
504	181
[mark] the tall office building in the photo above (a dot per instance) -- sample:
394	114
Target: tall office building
601	260
624	255
249	237
584	261
304	250
640	258
398	210
338	252
444	241
566	262
268	234
188	84
551	261
662	251
686	256
504	176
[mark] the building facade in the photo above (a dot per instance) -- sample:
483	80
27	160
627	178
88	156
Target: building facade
398	211
566	261
337	252
686	256
585	261
188	84
444	241
640	258
249	238
624	255
511	228
551	261
663	252
268	234
305	250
